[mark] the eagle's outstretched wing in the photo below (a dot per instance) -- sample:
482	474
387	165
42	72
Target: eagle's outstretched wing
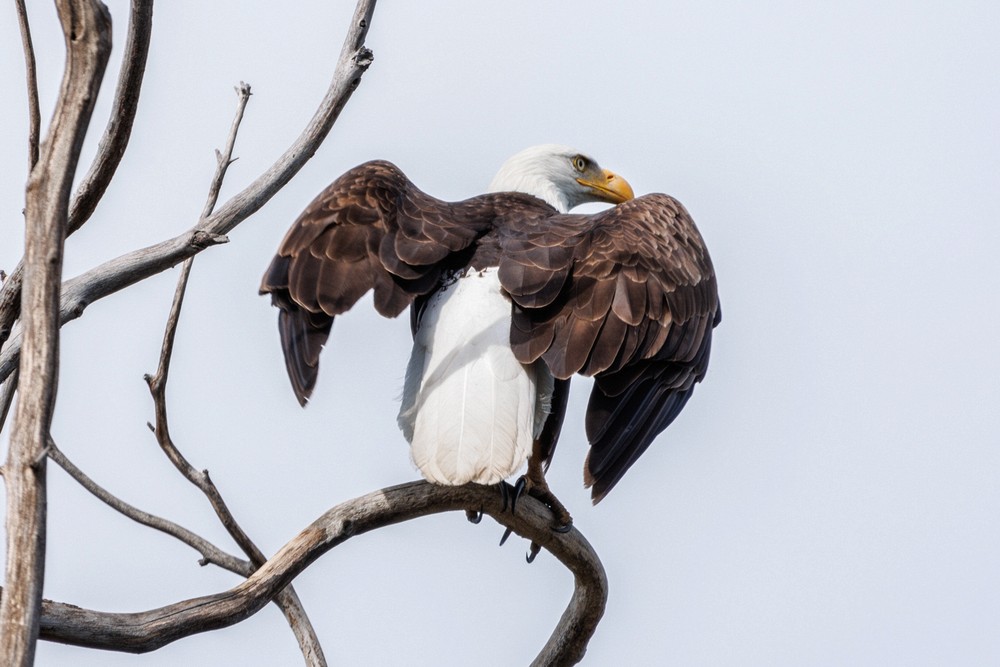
627	295
371	229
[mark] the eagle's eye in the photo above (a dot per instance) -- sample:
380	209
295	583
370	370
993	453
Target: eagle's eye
579	163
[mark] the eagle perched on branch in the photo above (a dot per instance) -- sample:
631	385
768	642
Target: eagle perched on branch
510	296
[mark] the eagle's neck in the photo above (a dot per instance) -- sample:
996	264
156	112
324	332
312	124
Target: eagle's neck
531	179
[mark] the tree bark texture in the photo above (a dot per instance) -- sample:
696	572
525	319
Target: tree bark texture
87	29
110	150
145	631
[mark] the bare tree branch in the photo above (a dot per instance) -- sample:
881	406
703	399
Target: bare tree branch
137	265
157	387
7	390
118	131
141	632
87	29
209	552
225	158
112	276
10	290
109	151
158	382
288	601
34	117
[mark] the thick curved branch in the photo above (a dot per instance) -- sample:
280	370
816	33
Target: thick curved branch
87	30
110	149
138	265
146	631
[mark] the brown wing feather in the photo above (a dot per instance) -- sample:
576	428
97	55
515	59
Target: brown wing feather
371	229
635	307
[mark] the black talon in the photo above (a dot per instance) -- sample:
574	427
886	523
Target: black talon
519	487
505	495
532	552
506	534
474	517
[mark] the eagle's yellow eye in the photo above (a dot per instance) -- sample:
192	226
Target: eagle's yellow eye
579	163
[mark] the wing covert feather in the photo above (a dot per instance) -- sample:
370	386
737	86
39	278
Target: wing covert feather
371	229
635	306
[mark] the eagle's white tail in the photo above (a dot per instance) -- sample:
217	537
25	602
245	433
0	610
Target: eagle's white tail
470	409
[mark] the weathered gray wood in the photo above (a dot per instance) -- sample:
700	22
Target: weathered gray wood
287	600
209	552
87	28
141	632
34	115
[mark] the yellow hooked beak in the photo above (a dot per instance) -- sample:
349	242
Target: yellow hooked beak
607	186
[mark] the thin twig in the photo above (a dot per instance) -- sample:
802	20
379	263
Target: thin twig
287	600
225	158
10	291
34	117
147	631
200	478
209	552
158	382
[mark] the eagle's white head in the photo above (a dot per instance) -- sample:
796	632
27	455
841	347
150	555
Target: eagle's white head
560	176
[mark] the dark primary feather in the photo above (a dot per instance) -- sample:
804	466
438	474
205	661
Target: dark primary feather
627	295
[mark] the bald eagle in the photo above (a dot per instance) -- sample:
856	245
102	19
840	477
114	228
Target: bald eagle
509	296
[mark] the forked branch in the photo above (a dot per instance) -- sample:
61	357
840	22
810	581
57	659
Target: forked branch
147	631
287	600
209	552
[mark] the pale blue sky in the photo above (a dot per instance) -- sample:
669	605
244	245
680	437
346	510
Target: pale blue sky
828	497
